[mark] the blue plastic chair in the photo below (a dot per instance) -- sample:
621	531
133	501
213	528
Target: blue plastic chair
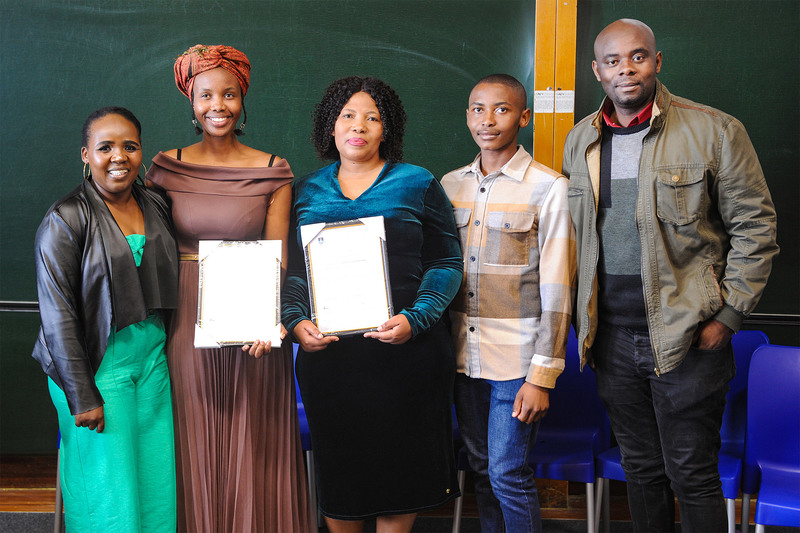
732	433
574	431
734	422
772	442
305	441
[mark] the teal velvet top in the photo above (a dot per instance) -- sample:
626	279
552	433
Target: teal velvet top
424	255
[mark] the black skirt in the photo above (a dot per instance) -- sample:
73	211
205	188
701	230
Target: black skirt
380	417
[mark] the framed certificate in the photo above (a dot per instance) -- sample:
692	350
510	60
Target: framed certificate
238	293
348	275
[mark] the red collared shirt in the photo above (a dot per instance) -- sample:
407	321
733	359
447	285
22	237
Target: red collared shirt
643	116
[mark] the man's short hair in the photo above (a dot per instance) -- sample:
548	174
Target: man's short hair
508	81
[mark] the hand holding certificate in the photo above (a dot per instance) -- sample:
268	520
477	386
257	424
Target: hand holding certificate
239	293
348	277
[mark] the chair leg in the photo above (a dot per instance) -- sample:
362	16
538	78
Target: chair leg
602	501
590	509
760	528
459	503
745	513
58	516
312	489
730	504
607	506
598	502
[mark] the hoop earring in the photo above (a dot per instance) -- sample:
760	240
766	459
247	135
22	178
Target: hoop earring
141	178
86	175
240	130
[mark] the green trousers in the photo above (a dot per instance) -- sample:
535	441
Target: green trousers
123	479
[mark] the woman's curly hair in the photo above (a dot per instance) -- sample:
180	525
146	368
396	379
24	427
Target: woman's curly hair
336	96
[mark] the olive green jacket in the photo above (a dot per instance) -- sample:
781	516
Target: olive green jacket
705	217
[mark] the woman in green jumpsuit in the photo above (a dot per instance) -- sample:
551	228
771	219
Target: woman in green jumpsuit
106	268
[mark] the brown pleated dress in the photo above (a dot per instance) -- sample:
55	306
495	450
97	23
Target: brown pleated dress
238	457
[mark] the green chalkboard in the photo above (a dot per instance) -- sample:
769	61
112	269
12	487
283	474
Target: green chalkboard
61	60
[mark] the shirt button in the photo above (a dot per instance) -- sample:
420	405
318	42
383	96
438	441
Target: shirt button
676	179
472	329
471	294
472	258
483	189
477	222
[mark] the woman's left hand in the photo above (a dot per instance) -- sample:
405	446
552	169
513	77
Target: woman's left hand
259	348
93	419
396	330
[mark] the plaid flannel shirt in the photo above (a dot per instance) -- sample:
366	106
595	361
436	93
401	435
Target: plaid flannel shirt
511	317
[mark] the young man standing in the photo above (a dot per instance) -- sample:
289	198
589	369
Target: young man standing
511	317
676	235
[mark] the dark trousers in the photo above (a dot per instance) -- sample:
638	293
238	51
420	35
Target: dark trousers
667	428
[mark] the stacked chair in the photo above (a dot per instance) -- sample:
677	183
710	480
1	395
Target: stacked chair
772	445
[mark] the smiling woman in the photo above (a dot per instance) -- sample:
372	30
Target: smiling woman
236	424
113	153
102	349
113	156
217	102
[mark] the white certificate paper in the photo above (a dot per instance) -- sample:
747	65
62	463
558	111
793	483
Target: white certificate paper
238	293
348	275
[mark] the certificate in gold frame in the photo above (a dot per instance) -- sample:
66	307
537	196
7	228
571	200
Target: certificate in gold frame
348	275
238	293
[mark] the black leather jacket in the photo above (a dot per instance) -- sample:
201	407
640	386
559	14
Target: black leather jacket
88	283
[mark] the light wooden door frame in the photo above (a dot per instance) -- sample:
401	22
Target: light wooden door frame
553	79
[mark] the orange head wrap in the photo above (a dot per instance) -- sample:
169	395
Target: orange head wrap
200	58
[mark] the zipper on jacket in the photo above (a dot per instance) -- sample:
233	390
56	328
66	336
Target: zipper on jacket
642	220
582	351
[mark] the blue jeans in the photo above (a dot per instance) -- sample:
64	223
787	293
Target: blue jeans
667	428
498	446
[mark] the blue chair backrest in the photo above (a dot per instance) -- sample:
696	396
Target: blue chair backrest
574	402
773	409
734	420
